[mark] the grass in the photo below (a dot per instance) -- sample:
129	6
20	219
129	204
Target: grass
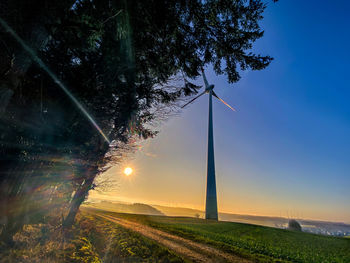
114	243
91	240
263	244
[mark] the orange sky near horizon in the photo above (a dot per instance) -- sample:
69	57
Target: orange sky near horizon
170	178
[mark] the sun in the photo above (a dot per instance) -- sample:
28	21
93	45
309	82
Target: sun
128	171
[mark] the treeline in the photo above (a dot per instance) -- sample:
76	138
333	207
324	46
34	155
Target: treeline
116	58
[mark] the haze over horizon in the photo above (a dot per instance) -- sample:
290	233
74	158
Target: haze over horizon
128	201
285	152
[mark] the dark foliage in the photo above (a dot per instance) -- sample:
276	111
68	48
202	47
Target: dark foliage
116	57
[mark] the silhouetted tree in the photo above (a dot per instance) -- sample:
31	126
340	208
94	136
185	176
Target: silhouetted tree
116	57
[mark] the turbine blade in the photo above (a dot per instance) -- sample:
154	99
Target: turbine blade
205	79
193	99
216	96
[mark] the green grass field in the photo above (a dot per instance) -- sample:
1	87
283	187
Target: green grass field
260	243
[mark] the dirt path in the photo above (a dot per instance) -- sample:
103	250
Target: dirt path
191	250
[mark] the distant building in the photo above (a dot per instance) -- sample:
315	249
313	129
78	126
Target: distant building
294	225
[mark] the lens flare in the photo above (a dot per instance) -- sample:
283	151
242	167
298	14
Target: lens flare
53	76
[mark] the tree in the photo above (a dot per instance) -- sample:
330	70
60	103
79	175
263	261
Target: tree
116	57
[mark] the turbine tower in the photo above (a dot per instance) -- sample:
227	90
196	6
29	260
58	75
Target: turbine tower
211	207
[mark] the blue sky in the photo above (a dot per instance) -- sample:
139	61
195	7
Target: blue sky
286	152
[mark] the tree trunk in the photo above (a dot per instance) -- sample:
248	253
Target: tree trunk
80	195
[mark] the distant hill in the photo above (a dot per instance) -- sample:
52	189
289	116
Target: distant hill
136	208
179	211
256	220
313	226
279	222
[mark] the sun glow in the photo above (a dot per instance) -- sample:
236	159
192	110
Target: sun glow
128	171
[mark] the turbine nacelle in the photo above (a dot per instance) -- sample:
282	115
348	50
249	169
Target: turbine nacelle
208	88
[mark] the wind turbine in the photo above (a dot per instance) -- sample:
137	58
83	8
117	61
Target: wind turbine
211	207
